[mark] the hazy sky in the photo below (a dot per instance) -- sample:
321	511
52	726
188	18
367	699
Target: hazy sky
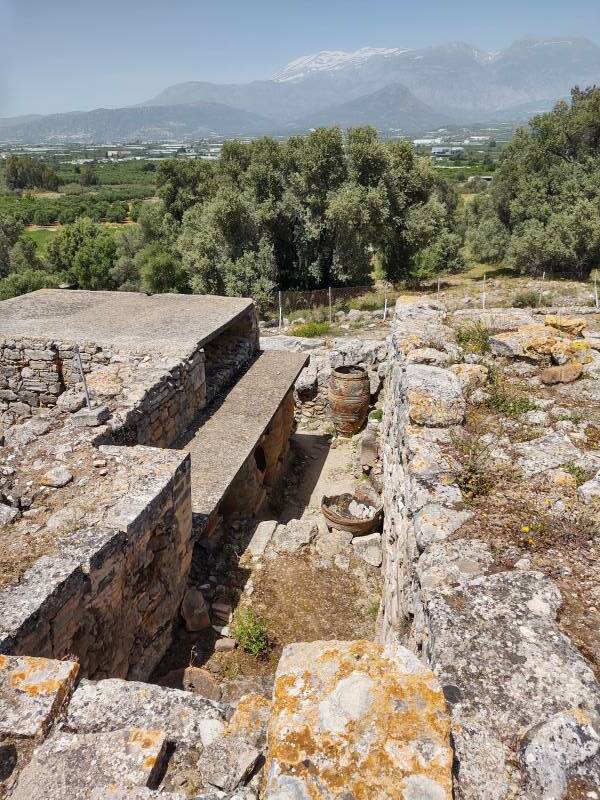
62	55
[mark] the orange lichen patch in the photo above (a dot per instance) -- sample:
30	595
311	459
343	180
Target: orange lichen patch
146	739
250	714
571	325
361	724
41	676
3	662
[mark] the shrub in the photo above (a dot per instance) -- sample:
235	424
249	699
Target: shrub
579	473
250	632
526	299
474	476
474	337
309	330
507	399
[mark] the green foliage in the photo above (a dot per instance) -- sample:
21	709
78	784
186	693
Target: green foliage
28	280
526	299
474	337
474	476
24	172
580	474
546	193
86	252
310	330
160	270
88	177
250	632
506	398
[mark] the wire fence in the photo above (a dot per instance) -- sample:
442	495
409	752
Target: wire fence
328	301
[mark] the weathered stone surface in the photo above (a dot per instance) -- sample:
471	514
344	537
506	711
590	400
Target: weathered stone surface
294	536
8	514
69	766
194	610
434	396
572	325
471	376
565	374
261	538
329	544
193	679
112	704
496	320
91	417
428	355
32	692
250	719
71	400
226	762
368	548
57	476
547	452
139	793
590	490
434	523
508	671
295	344
352	721
452	563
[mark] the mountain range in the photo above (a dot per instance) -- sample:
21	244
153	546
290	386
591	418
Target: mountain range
394	89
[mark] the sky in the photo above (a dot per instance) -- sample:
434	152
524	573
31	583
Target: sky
65	55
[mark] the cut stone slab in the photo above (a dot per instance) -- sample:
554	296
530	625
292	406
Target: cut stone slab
434	396
507	671
69	766
261	538
351	720
226	762
434	523
329	544
90	417
368	548
547	452
572	325
101	706
32	693
294	536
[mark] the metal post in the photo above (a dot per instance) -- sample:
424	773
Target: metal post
483	294
542	289
438	289
280	313
330	308
385	303
596	288
82	373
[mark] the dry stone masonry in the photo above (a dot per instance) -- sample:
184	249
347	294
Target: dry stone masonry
524	703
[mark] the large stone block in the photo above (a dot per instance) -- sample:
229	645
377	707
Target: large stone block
32	692
434	396
352	720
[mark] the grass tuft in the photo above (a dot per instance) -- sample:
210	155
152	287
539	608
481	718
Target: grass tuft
310	330
474	337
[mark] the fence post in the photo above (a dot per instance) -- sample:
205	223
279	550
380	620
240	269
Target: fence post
596	288
330	308
82	373
438	289
280	311
483	294
542	289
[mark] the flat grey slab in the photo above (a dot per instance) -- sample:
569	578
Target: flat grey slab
224	442
166	323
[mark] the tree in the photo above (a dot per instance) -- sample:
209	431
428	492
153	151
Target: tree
86	252
10	231
88	177
24	172
160	270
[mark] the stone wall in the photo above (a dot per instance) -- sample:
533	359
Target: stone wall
312	386
524	703
110	595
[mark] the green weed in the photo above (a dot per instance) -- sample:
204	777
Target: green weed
250	632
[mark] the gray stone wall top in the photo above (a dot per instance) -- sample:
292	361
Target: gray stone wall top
130	321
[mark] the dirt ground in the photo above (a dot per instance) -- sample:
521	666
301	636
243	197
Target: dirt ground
299	597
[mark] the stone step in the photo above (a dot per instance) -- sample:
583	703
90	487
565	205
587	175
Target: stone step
220	447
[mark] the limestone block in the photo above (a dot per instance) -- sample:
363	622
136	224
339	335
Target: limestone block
507	671
368	548
547	452
91	417
565	374
434	396
293	537
434	523
572	325
349	720
471	376
111	704
32	692
69	766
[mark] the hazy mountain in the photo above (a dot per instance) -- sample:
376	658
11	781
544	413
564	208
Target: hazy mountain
147	123
386	87
393	108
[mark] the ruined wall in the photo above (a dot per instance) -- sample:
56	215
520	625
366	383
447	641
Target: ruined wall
524	703
110	595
